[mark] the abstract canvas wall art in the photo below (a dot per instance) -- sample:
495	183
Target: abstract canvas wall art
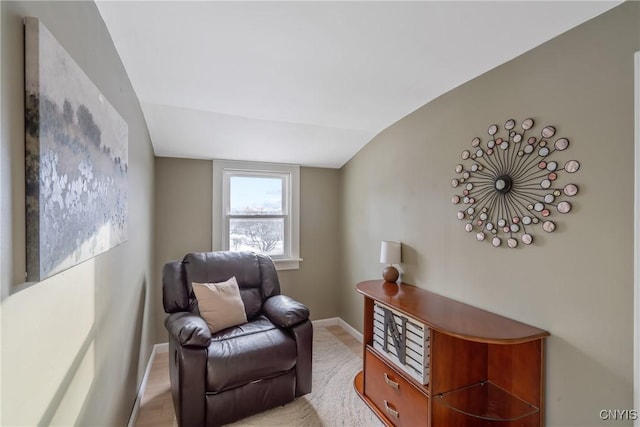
76	161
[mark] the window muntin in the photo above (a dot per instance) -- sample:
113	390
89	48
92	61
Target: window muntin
264	235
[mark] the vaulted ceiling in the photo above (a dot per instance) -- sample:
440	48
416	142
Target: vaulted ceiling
306	82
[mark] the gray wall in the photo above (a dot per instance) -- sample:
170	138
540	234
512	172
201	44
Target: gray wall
183	224
576	283
75	346
183	217
316	282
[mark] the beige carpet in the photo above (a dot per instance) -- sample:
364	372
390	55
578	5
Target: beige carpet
333	401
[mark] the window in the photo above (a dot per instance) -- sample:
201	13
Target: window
258	208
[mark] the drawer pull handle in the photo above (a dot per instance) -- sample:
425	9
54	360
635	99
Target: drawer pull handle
390	382
390	410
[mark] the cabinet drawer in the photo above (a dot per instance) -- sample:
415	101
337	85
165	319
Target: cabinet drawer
399	400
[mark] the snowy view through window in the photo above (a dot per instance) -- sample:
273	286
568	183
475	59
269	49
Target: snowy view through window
258	214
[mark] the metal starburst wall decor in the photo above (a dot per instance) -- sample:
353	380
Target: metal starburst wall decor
511	184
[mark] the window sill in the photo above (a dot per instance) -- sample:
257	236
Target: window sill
287	264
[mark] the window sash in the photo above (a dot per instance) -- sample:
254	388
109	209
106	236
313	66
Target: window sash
286	196
232	173
286	238
268	216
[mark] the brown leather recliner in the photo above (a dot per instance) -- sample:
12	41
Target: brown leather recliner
240	371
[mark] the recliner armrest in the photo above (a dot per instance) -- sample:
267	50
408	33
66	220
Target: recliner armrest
284	311
188	329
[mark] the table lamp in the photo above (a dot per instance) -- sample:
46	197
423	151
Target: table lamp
389	255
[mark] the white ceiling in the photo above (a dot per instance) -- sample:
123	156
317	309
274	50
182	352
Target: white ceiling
311	82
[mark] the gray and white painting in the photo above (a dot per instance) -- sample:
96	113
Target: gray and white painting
76	161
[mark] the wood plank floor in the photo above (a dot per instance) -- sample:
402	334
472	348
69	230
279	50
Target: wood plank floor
156	407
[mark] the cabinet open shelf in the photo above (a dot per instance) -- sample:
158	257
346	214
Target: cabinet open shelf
486	401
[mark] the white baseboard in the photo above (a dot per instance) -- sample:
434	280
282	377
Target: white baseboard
336	321
157	348
352	331
161	348
322	323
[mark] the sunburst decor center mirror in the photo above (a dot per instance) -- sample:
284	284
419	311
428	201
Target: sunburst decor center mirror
511	184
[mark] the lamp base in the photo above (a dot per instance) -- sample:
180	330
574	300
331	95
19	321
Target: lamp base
390	274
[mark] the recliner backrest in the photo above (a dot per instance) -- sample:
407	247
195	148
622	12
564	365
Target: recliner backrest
255	273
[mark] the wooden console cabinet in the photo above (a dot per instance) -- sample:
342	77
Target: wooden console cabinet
483	369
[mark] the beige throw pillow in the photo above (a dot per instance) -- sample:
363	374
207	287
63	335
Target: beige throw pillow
220	304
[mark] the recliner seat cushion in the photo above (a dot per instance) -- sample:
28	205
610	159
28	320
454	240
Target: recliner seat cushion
259	324
233	354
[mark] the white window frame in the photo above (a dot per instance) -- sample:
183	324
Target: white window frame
223	170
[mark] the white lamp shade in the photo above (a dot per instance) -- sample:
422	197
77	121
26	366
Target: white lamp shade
390	252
